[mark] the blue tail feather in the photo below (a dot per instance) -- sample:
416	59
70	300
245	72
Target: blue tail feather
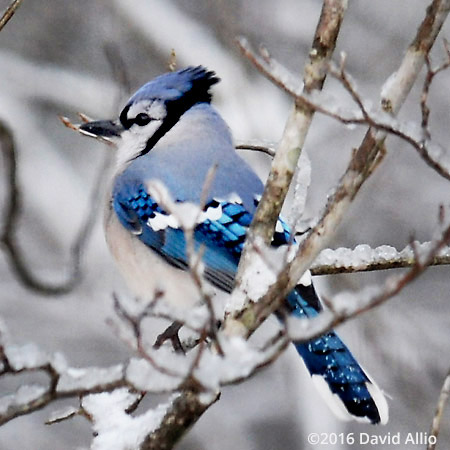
350	391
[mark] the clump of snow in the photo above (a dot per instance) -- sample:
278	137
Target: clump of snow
27	356
264	264
385	253
24	395
115	429
240	360
363	255
142	375
73	379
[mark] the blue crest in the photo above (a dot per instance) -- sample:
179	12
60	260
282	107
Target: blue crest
172	86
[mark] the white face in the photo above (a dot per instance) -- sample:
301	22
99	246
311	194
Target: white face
146	117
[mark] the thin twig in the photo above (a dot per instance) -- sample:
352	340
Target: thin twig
437	419
431	73
135	324
263	147
9	13
12	213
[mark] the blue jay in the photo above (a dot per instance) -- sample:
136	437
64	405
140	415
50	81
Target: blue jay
169	132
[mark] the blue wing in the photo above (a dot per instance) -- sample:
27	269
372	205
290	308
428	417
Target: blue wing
222	238
350	391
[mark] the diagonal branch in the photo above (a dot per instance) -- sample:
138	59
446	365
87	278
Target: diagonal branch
9	13
436	424
365	159
297	126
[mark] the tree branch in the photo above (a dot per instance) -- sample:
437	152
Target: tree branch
306	329
436	424
10	226
297	126
9	13
362	164
366	259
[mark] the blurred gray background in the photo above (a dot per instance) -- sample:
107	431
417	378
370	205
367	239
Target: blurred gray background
61	56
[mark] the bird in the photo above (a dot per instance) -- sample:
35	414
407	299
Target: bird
168	132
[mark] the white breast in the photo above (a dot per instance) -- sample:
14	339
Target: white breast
145	272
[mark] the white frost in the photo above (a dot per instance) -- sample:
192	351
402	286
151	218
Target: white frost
302	182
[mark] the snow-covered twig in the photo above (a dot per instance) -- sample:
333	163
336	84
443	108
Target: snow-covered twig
363	258
63	381
419	138
301	329
437	419
362	164
296	129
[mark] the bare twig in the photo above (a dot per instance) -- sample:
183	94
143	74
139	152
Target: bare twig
431	73
263	147
135	324
437	419
12	213
9	13
171	333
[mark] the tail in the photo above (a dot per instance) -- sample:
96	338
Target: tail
348	390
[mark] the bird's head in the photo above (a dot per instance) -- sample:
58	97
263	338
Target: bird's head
153	110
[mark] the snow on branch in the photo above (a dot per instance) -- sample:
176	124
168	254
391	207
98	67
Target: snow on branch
419	137
108	395
286	157
349	305
296	129
363	162
363	258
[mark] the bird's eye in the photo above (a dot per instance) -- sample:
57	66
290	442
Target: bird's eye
142	119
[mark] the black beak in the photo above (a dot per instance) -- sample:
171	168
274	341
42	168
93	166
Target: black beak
108	129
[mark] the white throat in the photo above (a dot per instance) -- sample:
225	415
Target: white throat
133	142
